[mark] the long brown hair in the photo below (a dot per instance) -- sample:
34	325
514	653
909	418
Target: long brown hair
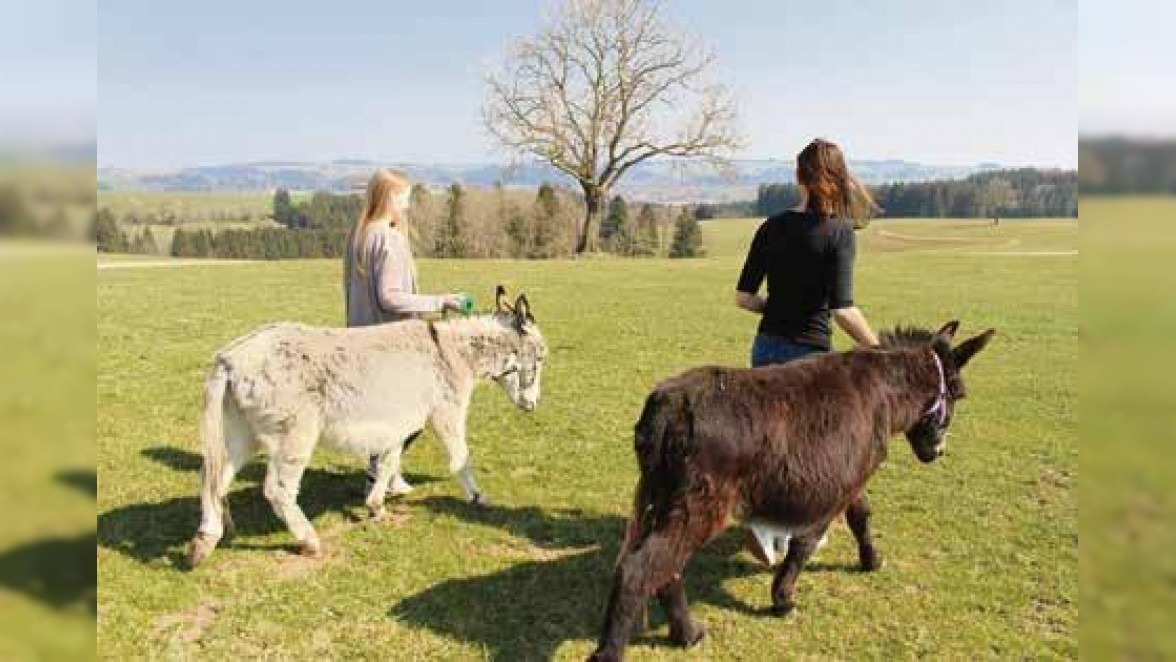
829	189
383	187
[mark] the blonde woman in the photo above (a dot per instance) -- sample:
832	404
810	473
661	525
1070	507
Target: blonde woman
380	278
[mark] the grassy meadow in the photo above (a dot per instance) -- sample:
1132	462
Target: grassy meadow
1128	437
47	453
981	548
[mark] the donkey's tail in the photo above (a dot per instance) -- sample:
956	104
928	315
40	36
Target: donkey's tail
636	529
212	432
662	441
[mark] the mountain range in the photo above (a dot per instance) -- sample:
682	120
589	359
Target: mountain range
654	181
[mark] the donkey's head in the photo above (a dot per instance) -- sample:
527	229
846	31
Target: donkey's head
928	435
523	366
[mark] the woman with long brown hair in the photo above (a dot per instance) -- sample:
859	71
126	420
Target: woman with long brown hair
807	257
379	274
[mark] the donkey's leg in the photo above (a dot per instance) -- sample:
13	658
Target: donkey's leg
638	576
215	518
282	480
389	466
400	486
289	456
800	548
684	630
857	515
654	566
450	424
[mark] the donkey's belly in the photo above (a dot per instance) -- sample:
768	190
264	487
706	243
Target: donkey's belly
768	541
369	436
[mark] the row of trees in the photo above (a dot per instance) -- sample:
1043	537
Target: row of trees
259	244
1023	193
110	236
461	222
455	223
1114	166
641	237
22	217
322	211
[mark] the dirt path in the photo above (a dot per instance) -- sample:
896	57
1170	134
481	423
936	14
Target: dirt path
963	242
159	264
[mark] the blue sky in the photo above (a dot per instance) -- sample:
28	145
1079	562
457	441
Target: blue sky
946	82
1126	56
48	74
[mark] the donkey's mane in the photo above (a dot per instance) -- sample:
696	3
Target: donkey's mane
483	322
906	336
486	323
902	337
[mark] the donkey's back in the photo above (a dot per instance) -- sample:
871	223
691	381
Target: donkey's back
730	421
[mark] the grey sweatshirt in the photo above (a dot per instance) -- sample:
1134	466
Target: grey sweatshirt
387	290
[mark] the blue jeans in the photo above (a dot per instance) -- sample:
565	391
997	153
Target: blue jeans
768	350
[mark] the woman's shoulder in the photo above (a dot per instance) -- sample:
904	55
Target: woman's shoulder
385	235
784	216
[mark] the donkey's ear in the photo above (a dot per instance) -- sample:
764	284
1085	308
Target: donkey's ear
501	305
971	347
949	330
522	310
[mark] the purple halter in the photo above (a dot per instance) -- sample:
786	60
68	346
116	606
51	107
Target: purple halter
939	407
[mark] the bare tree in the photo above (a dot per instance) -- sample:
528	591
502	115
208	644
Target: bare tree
605	85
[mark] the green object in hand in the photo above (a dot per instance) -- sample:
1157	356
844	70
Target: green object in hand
467	303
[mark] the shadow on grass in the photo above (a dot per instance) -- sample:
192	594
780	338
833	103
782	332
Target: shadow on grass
152	531
59	572
527	611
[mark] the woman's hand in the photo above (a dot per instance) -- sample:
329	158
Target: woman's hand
751	302
451	301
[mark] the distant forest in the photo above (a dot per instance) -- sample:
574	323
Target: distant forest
1024	193
462	223
1124	166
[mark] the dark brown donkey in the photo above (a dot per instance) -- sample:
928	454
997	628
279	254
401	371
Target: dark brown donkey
790	447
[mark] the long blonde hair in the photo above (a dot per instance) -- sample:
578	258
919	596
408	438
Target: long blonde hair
385	185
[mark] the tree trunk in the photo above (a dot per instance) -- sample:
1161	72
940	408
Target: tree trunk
594	197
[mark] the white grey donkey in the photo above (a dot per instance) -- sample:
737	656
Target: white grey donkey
284	387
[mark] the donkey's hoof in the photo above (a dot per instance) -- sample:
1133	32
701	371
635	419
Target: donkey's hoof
311	549
480	500
600	656
871	561
691	637
782	608
377	513
400	487
199	549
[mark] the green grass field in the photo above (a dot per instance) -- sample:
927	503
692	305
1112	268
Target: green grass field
1128	437
981	547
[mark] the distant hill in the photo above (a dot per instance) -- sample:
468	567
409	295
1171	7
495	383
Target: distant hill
654	181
